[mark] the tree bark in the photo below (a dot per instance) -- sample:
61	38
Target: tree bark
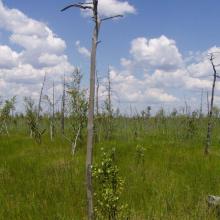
209	128
40	98
63	108
97	94
90	128
109	94
53	115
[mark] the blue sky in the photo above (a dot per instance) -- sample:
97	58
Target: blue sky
183	32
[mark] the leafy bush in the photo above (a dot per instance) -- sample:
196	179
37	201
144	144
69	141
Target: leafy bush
31	119
139	154
108	188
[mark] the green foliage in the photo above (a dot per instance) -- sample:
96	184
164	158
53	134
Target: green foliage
8	106
139	154
31	119
191	125
174	112
5	111
108	188
216	112
107	120
78	105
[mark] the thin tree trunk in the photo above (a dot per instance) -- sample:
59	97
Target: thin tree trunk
209	128
53	114
186	108
201	104
90	137
40	98
97	94
208	103
63	108
75	142
51	130
109	94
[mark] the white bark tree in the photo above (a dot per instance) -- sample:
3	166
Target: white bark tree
93	6
210	112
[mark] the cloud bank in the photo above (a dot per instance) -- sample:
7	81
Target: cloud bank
40	51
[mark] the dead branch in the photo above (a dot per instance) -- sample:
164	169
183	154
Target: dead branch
111	17
79	5
75	142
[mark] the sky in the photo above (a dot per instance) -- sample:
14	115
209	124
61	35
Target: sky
158	53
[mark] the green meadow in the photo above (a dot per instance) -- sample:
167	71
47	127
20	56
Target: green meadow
171	180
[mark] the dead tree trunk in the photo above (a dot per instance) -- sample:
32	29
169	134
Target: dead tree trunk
40	98
93	6
52	122
90	128
201	105
109	90
75	141
63	107
97	94
207	103
209	128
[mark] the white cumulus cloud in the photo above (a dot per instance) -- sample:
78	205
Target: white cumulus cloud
155	72
8	57
82	50
109	8
41	51
159	52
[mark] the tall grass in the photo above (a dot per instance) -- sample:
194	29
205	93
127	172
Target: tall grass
46	182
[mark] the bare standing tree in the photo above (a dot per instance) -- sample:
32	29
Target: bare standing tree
201	105
92	6
51	102
109	90
63	107
97	94
207	98
210	112
40	98
52	123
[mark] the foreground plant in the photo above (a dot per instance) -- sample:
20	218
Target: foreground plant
108	188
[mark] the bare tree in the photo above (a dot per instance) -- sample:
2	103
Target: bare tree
93	6
210	113
108	128
109	90
97	94
40	98
51	102
63	107
201	104
52	122
207	98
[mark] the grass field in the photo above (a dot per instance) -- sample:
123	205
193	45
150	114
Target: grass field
172	182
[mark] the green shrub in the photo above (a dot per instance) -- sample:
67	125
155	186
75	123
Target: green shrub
108	188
